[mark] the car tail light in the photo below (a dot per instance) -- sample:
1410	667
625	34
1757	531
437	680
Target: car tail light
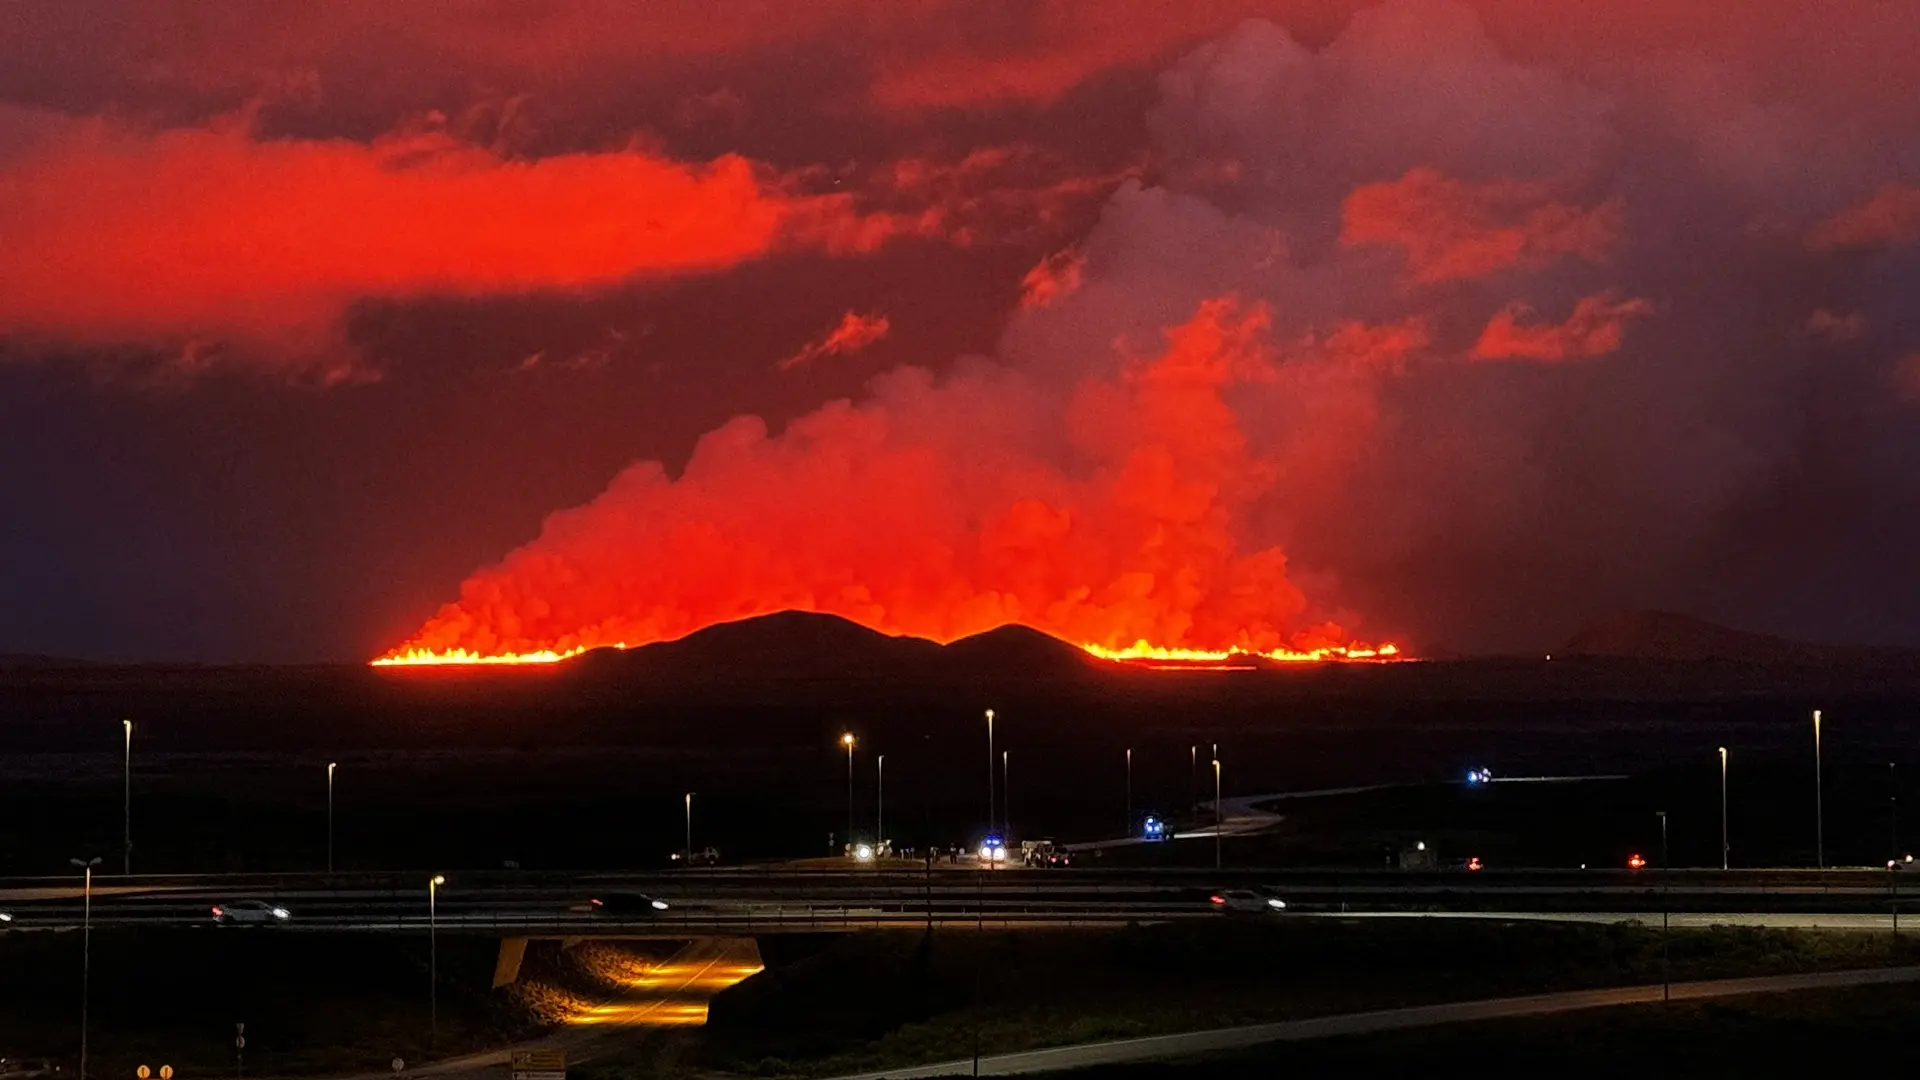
594	903
1218	899
217	912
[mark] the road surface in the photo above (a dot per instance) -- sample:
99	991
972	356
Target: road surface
1238	1038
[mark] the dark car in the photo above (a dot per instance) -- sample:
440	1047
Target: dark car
627	904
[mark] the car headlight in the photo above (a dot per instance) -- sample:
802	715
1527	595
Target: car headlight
6	916
279	913
659	905
1277	905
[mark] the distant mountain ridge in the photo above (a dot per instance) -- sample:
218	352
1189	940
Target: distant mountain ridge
1666	635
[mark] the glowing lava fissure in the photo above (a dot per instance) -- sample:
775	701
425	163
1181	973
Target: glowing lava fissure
1118	510
1140	653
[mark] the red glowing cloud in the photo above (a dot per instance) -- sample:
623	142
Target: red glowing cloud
114	237
1451	230
854	333
1890	219
1596	328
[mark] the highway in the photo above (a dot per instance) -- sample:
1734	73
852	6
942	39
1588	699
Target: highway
763	901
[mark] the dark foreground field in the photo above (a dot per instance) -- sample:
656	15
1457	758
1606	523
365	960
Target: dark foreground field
587	768
1869	1030
874	1001
317	1004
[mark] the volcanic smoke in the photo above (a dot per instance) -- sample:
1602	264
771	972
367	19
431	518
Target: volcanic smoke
1107	514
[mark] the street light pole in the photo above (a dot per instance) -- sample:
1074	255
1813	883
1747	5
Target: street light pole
331	765
1129	829
433	955
1666	972
126	866
848	740
1724	849
86	953
689	857
879	803
989	771
1006	800
1217	822
1819	799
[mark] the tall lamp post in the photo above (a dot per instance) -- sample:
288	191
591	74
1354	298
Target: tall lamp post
689	857
433	955
1216	808
86	952
331	765
1819	800
1006	800
1193	776
879	803
126	803
1666	972
989	771
1129	829
847	741
1724	849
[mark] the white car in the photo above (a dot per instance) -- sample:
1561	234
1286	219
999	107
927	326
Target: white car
1245	900
258	912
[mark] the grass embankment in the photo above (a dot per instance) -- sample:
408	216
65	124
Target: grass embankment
311	1003
877	1000
1766	1035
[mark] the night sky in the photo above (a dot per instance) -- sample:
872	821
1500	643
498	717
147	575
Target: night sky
329	328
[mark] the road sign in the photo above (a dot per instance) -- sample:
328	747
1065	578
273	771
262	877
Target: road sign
538	1064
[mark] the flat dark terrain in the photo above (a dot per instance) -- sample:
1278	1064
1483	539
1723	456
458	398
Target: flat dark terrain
584	765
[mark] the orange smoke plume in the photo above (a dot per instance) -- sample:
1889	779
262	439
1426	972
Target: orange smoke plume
934	509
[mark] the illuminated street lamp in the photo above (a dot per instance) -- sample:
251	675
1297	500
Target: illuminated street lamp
126	866
1129	829
880	802
331	765
689	856
86	952
1723	808
1819	800
990	771
433	954
847	741
1218	821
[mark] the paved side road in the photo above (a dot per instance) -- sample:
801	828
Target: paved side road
1237	1038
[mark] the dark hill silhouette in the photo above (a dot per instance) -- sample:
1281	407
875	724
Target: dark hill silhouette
807	645
1016	650
1664	635
787	644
